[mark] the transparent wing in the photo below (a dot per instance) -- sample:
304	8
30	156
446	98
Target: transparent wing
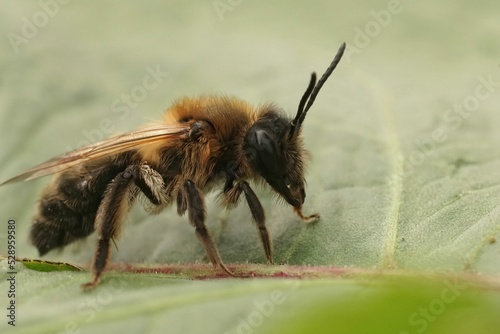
110	146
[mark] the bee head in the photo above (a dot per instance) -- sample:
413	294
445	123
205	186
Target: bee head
276	156
273	145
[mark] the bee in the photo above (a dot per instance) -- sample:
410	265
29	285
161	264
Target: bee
201	143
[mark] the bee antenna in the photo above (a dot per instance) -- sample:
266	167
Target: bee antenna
313	90
302	103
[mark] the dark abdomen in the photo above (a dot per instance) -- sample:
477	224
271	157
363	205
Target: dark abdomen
67	208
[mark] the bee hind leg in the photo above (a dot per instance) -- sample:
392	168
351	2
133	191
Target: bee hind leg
114	206
151	184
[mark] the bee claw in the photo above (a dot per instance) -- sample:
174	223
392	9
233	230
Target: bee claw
306	219
226	270
89	286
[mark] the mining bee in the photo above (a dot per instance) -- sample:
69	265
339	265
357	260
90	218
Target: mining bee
201	143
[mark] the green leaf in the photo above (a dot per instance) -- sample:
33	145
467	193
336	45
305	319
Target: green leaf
47	266
369	303
405	164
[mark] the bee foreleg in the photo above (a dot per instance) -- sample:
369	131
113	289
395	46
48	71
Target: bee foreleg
114	205
258	215
192	199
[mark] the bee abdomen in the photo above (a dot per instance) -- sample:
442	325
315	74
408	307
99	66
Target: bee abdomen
56	225
68	207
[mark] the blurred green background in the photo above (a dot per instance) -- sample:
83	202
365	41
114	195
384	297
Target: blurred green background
404	140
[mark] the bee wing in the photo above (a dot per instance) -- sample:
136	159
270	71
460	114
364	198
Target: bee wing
113	145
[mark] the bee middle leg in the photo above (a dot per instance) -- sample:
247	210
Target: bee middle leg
190	198
232	194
